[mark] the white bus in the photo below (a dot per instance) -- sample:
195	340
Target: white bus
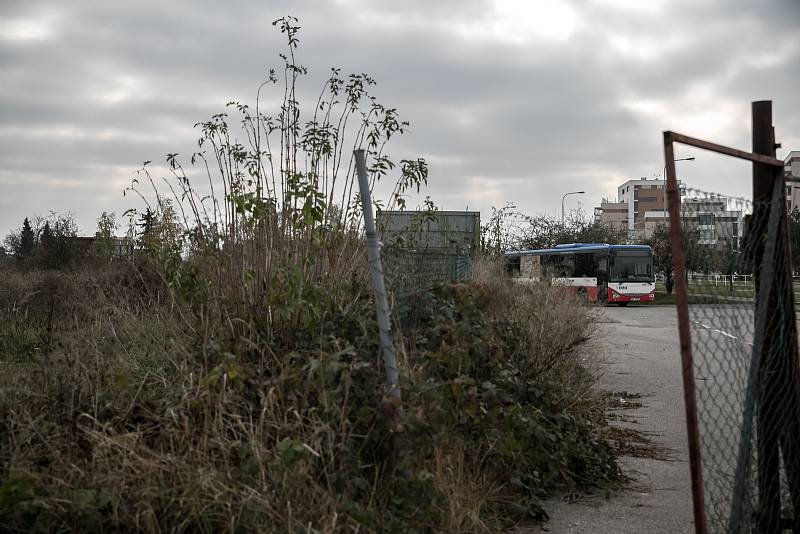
616	274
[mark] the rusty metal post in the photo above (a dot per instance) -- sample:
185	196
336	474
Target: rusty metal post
769	256
687	363
768	436
763	175
790	448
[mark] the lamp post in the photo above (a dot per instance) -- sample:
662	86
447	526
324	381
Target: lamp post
664	194
562	202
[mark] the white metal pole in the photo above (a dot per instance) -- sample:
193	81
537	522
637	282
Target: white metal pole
562	202
376	271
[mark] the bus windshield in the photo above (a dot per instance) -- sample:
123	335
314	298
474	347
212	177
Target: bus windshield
631	266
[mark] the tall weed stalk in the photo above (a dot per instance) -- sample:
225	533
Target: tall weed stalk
269	205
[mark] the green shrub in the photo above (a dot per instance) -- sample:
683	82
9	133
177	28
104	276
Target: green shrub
133	417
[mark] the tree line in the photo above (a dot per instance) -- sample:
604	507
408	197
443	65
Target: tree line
53	241
50	242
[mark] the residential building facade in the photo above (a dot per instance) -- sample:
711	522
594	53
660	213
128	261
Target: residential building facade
641	196
612	212
118	247
641	209
716	224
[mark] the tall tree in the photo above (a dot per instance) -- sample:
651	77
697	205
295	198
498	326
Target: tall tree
27	241
547	232
64	246
104	237
46	239
697	257
146	224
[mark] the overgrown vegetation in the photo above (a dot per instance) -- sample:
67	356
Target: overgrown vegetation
118	413
228	379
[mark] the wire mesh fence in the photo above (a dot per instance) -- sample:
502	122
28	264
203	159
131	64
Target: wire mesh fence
744	356
408	271
411	274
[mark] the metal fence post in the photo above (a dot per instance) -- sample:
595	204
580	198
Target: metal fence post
376	272
684	332
767	435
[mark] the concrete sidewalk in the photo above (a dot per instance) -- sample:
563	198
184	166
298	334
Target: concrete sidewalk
643	357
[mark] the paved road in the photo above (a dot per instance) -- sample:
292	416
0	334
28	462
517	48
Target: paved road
722	338
642	356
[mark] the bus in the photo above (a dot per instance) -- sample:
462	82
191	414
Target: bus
615	274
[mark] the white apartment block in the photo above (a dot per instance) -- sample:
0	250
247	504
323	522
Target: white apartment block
641	197
716	224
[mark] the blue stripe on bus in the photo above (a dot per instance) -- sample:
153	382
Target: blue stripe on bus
575	247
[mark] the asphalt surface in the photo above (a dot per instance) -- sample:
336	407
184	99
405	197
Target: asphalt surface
640	349
722	338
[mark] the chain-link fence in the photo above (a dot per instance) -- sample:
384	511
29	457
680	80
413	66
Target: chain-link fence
408	272
722	328
739	350
741	373
411	274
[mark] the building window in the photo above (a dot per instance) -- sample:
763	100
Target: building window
705	219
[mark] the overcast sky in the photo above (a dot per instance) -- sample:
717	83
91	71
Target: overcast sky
509	100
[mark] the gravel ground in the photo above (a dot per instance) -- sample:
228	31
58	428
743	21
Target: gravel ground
642	357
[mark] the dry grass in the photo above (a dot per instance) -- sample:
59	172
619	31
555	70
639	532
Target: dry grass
470	495
124	407
557	325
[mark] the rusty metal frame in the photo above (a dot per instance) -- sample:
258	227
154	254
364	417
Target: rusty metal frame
682	301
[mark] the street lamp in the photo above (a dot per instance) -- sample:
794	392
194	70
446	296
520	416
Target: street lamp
562	202
664	194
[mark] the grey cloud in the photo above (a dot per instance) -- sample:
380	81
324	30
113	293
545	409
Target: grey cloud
499	121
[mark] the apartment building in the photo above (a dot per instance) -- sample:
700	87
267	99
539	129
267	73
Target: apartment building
641	196
640	204
716	224
640	208
612	212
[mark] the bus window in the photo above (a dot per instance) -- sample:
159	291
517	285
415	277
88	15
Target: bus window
632	266
513	266
585	266
558	265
